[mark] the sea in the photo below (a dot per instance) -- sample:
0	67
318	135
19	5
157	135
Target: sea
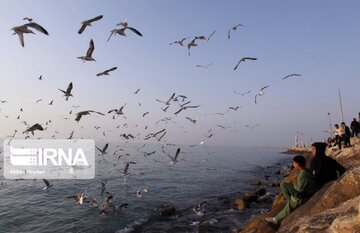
212	174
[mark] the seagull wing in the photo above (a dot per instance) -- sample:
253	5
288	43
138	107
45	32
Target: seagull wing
95	19
210	36
68	90
112	110
134	30
264	88
111	69
238	64
37	27
177	153
90	49
112	33
21	38
81	30
46	182
105	147
229	33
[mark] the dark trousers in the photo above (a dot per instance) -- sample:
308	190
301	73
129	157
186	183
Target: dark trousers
338	140
354	132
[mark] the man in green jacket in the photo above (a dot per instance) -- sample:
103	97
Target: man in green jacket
296	194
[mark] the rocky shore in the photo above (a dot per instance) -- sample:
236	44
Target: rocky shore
334	208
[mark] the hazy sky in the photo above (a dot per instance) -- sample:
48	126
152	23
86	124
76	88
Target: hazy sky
318	39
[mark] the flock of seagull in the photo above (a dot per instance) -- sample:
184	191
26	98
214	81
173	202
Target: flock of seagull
181	101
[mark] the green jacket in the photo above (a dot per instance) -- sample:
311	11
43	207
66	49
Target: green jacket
305	186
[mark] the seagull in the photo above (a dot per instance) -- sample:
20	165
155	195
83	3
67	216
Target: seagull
234	28
125	172
88	56
192	120
137	91
168	101
145	114
103	186
234	108
149	153
185	107
3	101
51	103
252	126
180	42
82	113
33	128
20	30
40	78
174	159
192	44
103	150
37	101
67	93
262	89
71	135
243	60
47	183
88	23
140	193
242	94
164	109
199	209
205	66
291	75
121	31
79	198
106	72
118	111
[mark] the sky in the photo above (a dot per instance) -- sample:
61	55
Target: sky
317	39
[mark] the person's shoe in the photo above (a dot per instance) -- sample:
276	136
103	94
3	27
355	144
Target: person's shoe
272	220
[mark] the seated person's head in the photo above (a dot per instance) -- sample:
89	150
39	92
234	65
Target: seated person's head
299	162
318	148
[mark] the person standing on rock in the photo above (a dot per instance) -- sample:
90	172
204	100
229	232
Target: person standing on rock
347	134
323	167
296	194
339	135
355	128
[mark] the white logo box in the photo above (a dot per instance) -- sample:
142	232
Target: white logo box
49	159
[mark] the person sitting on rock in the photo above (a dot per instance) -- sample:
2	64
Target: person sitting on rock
323	167
296	194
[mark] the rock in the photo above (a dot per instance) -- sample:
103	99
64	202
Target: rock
256	183
166	210
250	197
240	204
277	172
274	184
266	199
260	192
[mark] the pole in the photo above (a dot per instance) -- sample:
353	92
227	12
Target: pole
330	125
341	109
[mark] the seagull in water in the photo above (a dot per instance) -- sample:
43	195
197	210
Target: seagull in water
79	198
88	22
88	56
48	185
140	193
106	72
67	93
243	60
20	30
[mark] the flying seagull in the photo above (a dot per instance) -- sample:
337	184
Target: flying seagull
20	30
252	126
106	72
243	60
118	111
88	56
47	183
83	113
185	107
137	91
168	101
88	23
40	78
121	31
33	128
291	75
191	120
125	172
262	89
180	42
234	28
103	150
205	66
242	94
174	159
67	93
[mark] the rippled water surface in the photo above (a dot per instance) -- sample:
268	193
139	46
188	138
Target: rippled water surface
212	174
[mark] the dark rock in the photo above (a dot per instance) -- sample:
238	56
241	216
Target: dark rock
250	197
260	192
277	172
274	184
256	182
166	210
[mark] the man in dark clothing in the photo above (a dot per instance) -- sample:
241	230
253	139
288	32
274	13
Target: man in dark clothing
347	134
323	167
355	127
